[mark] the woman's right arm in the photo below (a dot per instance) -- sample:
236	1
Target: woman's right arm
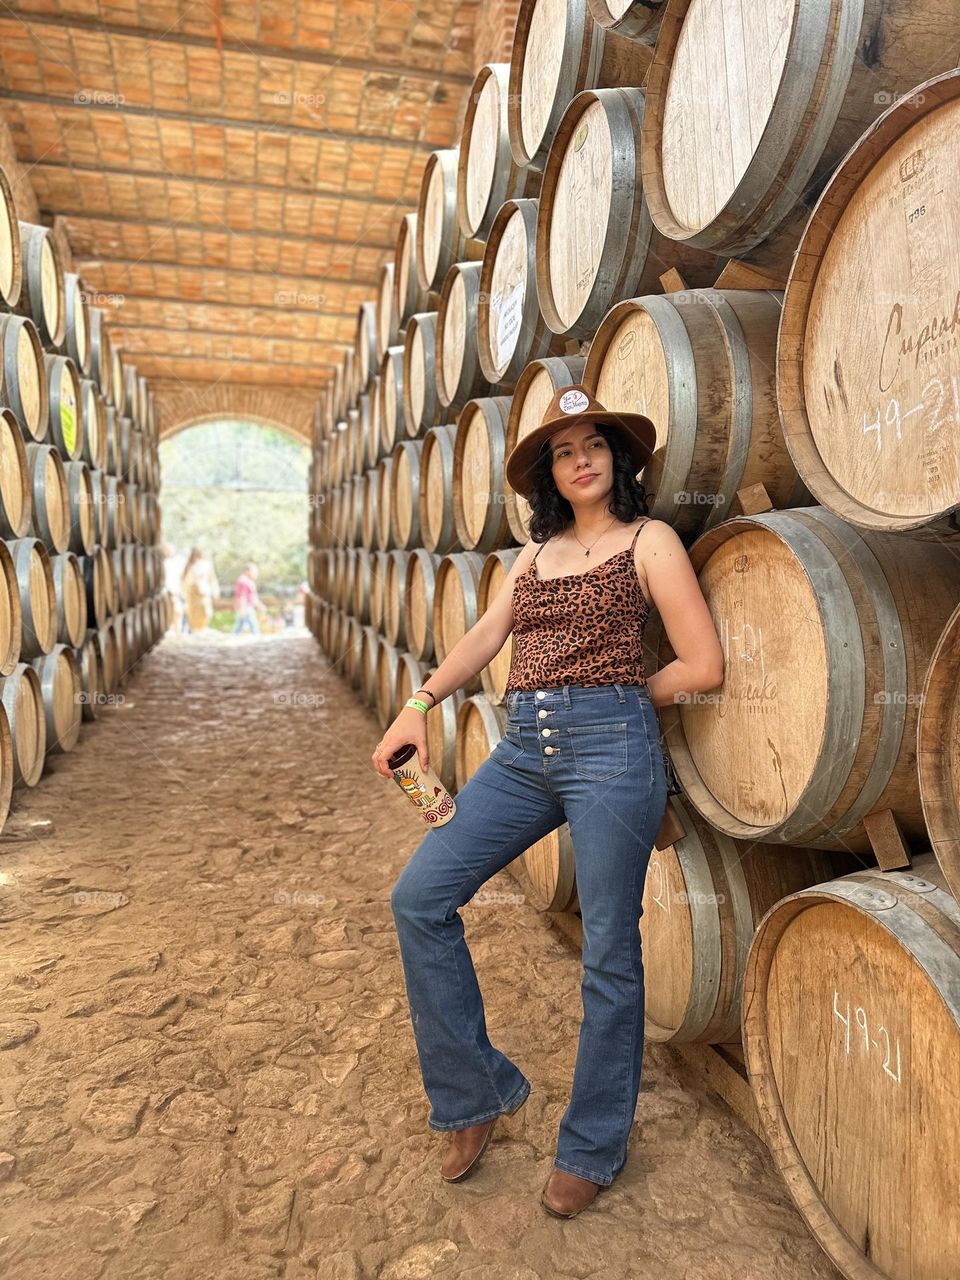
472	652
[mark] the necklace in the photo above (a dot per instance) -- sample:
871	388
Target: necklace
597	539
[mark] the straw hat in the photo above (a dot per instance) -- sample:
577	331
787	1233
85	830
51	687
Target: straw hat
576	404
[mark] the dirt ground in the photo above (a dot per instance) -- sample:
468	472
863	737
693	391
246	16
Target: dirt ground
207	1067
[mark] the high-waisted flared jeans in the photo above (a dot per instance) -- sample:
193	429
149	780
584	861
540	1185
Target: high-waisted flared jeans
590	756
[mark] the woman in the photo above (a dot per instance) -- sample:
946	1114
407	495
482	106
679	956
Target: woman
582	745
200	589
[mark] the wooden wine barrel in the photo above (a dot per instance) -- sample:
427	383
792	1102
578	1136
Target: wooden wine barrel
347	389
11	261
511	330
117	625
596	243
701	365
10	612
365	345
486	173
90	662
76	322
111	586
61	688
393	426
134	570
387	320
131	392
873	426
71	597
15	488
422	406
385	503
370	404
96	587
455	607
111	659
83	523
438	530
558	50
134	634
101	353
410	676
368	515
938	763
536	387
496	566
442	738
480	726
457	363
124	594
405	494
369	651
23	703
65	406
385	681
51	503
93	413
408	295
119	382
440	242
38	603
637	19
828	633
736	170
104	491
478	454
360	588
42	295
852	1058
23	382
418	587
112	440
703	898
392	611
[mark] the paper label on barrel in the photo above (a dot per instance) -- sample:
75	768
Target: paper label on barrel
68	426
508	323
573	402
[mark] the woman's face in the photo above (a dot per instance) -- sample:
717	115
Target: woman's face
582	463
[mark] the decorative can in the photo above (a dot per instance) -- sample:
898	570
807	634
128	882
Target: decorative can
433	801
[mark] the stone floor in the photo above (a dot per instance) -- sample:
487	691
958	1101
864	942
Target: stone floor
207	1068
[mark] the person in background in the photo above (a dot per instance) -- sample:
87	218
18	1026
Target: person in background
174	563
246	601
200	589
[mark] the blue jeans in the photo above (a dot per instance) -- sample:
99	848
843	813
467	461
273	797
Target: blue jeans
600	768
248	619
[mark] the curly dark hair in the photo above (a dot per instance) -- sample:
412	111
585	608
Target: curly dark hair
551	512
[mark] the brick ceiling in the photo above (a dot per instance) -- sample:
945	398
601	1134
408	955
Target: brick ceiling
236	178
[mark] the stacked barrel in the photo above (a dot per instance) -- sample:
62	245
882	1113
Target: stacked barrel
81	571
758	250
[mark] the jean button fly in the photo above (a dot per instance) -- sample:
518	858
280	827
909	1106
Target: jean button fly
541	694
548	751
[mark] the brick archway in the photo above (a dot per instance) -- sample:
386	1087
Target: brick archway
180	406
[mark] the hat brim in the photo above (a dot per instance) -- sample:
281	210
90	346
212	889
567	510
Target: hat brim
638	431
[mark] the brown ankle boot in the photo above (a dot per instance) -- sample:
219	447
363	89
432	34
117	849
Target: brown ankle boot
565	1194
467	1146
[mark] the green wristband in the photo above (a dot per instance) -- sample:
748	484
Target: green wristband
418	703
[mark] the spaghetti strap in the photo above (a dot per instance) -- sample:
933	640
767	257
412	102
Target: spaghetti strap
539	549
637	534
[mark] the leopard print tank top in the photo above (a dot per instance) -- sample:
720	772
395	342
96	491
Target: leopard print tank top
580	628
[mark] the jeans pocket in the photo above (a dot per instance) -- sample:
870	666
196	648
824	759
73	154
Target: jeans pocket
600	750
510	746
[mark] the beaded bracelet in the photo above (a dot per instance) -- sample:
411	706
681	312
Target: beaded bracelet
418	703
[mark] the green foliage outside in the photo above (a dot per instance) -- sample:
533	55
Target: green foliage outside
239	491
